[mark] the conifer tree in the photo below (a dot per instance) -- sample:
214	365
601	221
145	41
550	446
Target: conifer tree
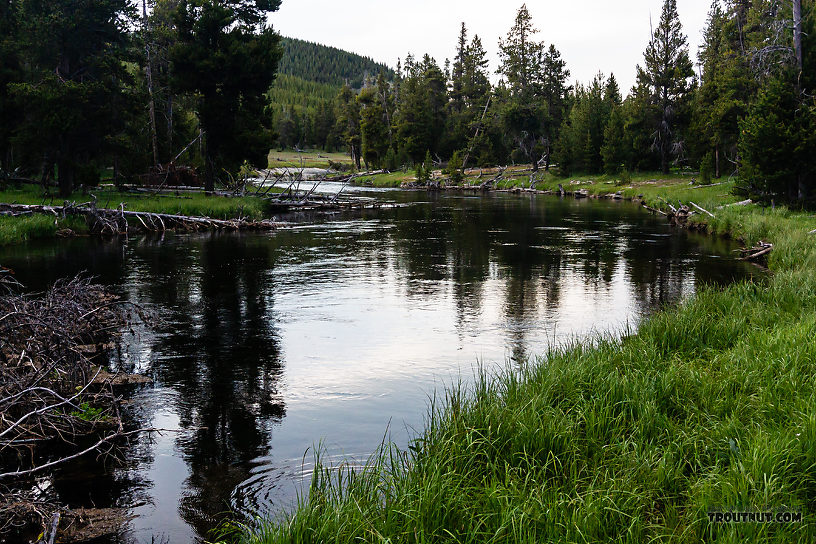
522	63
227	56
554	91
373	128
667	74
457	91
348	124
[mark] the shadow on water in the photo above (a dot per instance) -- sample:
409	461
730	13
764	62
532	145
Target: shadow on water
261	346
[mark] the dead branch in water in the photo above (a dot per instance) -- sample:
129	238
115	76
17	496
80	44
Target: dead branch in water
57	403
759	250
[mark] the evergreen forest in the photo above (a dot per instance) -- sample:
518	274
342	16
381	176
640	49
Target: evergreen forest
93	89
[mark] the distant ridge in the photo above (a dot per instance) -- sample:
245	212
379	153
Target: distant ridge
327	65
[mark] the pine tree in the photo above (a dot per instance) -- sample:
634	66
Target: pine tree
554	92
522	67
521	55
667	73
583	133
348	124
423	99
724	93
613	151
226	56
457	88
373	128
777	143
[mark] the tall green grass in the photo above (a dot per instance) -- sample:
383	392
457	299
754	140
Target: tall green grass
15	230
710	406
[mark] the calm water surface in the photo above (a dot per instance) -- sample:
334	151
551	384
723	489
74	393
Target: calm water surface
337	332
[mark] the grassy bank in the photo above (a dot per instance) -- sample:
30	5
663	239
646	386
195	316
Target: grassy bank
20	229
310	159
711	406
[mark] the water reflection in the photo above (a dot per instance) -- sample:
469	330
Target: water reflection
264	345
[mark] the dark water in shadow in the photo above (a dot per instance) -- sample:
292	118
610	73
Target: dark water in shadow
332	333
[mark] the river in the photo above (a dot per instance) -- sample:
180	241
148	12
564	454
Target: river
335	333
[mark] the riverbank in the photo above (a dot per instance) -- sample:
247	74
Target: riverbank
196	204
710	407
21	229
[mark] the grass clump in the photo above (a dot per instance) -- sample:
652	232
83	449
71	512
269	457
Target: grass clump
710	406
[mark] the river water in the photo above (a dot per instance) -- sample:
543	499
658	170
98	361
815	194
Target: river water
335	333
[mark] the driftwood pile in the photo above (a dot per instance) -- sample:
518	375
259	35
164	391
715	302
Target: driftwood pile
56	401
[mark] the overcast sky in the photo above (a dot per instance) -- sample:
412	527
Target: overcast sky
592	35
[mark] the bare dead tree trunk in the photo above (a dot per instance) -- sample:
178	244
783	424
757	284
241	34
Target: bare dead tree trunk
797	34
717	162
152	105
169	120
476	136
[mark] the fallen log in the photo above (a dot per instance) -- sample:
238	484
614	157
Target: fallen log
672	208
655	210
110	221
760	250
740	203
758	254
702	209
812	232
709	185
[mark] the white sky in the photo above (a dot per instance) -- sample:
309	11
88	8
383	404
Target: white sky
592	35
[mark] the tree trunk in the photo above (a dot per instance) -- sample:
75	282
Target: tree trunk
664	160
152	105
547	159
169	121
66	178
209	165
209	175
717	162
802	188
797	34
47	170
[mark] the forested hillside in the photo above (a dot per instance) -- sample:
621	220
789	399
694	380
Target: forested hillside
324	64
301	101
